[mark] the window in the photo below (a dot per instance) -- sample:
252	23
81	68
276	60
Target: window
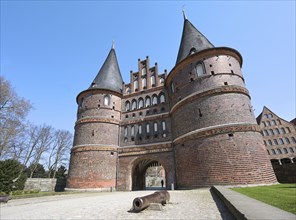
127	106
147	128
270	115
155	126
153	80
268	123
133	131
265	115
147	101
141	103
287	140
172	87
154	100
106	100
285	150
134	104
162	98
281	141
128	90
293	140
273	122
272	151
199	69
264	124
271	132
161	81
268	152
144	71
288	129
144	83
163	125
275	142
269	142
277	131
266	133
283	130
140	129
136	83
279	151
279	122
125	132
291	150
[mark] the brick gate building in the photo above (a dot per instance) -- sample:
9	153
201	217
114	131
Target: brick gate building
197	122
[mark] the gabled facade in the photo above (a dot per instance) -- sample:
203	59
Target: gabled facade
196	122
279	137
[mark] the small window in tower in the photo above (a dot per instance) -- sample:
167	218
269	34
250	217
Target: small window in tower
133	115
125	139
283	130
285	150
279	151
211	65
147	128
225	83
140	113
163	125
269	142
275	142
107	100
172	87
155	126
288	129
291	150
200	115
281	141
277	131
272	151
199	69
112	153
112	116
287	140
212	72
140	129
230	135
191	80
229	64
92	133
126	116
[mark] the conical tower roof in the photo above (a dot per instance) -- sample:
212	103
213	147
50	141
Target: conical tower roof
192	41
109	76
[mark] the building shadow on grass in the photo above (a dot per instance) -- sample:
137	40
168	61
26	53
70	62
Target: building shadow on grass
224	211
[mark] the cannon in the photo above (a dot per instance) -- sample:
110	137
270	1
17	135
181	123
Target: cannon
141	203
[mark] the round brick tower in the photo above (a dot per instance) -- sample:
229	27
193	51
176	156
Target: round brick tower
94	156
215	135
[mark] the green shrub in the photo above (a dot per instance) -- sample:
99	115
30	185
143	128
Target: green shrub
17	192
9	176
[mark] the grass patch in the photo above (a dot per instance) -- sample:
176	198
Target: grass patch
282	196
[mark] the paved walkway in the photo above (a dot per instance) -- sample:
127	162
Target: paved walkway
189	204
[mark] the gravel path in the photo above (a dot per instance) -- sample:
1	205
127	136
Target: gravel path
189	204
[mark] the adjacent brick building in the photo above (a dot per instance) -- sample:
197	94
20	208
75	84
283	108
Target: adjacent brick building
279	138
197	122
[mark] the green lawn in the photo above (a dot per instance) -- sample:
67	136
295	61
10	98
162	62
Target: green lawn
282	196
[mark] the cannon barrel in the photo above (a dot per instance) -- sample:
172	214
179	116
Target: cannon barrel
141	203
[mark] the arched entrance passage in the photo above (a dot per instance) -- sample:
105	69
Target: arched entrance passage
147	173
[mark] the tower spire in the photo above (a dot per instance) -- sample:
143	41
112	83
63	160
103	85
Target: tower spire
184	15
113	44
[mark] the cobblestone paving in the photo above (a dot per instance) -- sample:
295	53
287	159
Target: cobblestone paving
189	204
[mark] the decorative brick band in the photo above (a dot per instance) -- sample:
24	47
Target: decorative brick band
146	118
81	148
148	149
210	92
97	120
93	91
215	130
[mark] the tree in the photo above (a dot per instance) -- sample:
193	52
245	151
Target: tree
59	151
13	111
9	176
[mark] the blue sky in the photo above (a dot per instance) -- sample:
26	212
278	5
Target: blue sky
52	50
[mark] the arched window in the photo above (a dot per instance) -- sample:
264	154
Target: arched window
266	133
285	150
268	152
163	125
271	131
107	100
127	106
269	142
162	98
125	132
144	83
141	103
264	124
161	80
199	69
128	90
272	151
277	131
81	102
293	140
281	141
133	131
136	83
140	129
172	87
143	71
134	105
291	149
147	101
288	129
147	128
153	80
155	127
283	130
279	151
275	142
273	122
154	100
287	140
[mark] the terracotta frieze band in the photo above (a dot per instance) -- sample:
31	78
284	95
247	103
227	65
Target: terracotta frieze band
97	120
